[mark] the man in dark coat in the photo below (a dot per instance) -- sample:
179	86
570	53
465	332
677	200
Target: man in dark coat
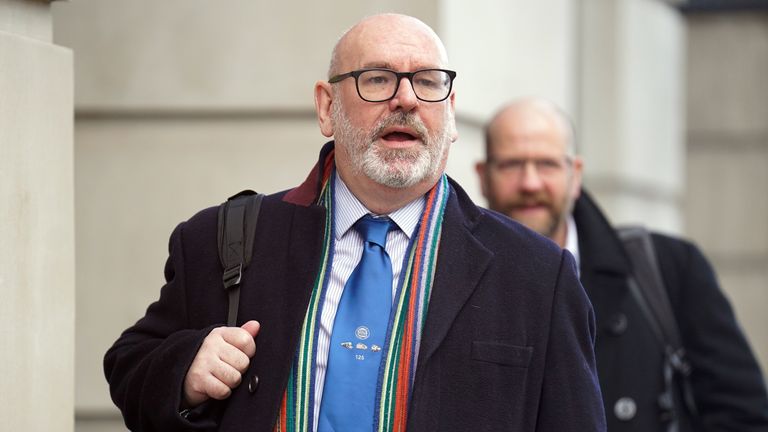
532	174
489	328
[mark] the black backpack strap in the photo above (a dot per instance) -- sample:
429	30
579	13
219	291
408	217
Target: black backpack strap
647	287
237	228
639	246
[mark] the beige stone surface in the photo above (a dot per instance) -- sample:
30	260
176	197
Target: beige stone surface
729	65
145	54
507	49
726	206
101	425
465	152
651	126
37	236
26	18
727	203
632	78
597	115
630	123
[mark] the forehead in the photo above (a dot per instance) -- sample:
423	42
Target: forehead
528	133
391	42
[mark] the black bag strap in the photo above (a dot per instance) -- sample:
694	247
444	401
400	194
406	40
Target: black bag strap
653	296
237	228
647	287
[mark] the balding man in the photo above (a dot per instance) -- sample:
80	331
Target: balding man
532	174
382	298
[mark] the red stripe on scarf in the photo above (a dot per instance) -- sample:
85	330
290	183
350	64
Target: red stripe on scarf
404	371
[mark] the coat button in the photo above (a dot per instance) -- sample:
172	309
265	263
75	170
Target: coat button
617	324
253	384
625	409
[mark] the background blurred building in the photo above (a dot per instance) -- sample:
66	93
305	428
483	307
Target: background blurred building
180	103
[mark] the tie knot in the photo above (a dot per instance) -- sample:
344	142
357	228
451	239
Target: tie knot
373	229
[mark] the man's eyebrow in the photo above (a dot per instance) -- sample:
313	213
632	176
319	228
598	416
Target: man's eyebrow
377	65
387	65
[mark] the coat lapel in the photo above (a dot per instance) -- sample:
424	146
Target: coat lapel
604	264
277	293
284	266
461	261
305	252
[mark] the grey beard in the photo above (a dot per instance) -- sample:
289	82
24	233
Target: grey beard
395	168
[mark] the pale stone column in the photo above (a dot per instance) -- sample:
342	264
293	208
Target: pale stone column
727	206
37	231
630	121
504	50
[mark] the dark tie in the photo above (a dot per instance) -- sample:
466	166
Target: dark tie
358	337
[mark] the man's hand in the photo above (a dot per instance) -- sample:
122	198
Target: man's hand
220	363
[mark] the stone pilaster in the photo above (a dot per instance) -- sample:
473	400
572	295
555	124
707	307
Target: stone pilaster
37	230
630	121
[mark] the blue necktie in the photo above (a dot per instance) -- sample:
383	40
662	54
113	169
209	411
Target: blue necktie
358	336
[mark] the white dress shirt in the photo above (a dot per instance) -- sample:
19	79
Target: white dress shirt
572	242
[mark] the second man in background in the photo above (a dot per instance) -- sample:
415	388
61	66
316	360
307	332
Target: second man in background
532	174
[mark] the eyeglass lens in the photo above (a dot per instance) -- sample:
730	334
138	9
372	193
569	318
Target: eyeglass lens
545	167
381	85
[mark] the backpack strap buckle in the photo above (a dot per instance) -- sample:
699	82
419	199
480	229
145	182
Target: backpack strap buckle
232	276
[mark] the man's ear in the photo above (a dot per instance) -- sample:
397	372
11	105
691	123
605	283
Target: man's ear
323	99
482	174
454	133
578	167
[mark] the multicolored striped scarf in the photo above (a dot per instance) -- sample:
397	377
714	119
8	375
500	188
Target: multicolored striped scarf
409	311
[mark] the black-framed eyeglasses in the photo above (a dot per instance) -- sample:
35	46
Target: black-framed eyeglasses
379	85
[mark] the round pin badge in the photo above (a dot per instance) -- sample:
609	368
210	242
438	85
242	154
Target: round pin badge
362	332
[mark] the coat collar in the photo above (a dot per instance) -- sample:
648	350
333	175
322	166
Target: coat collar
600	248
308	192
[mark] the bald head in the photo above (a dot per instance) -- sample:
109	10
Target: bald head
529	117
409	32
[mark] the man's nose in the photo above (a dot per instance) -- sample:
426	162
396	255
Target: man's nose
531	180
405	97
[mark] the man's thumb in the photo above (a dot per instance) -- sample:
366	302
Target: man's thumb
251	327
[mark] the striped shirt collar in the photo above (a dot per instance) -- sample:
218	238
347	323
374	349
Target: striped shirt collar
349	209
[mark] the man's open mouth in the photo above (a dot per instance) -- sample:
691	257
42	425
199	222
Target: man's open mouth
399	136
